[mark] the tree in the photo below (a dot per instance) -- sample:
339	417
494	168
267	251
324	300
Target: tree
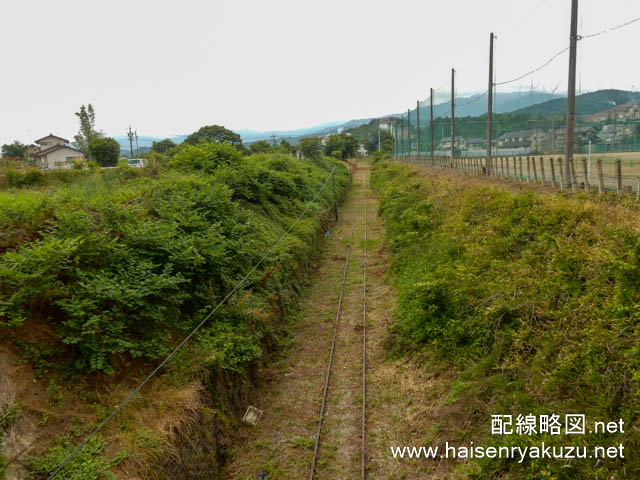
105	151
344	143
214	133
206	157
261	146
162	146
15	149
285	147
371	141
87	130
310	147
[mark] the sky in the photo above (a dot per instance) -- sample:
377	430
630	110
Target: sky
167	68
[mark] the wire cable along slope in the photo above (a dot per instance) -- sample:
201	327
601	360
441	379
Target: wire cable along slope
193	332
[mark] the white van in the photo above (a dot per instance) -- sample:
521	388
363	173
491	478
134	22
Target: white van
137	162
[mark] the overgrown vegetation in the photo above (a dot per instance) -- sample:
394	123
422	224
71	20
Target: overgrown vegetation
134	267
120	265
531	298
9	413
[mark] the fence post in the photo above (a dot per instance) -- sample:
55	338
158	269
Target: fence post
515	171
561	172
528	169
553	173
542	175
535	170
586	177
520	160
495	166
638	187
600	176
619	176
572	168
335	197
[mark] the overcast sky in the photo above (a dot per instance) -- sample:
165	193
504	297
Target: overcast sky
169	67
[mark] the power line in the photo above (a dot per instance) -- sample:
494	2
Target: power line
186	339
472	101
535	70
610	29
564	50
531	13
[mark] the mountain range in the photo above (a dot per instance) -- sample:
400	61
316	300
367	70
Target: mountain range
531	102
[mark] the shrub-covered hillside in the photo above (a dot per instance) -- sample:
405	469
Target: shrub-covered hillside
111	267
532	299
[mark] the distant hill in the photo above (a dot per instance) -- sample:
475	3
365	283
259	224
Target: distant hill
143	142
586	104
250	136
124	152
476	105
524	102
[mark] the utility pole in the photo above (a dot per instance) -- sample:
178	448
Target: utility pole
395	139
453	113
137	147
418	125
431	123
378	134
490	107
130	134
402	134
615	129
571	94
409	130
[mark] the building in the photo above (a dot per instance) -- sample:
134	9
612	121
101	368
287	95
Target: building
476	143
460	143
387	123
516	139
55	153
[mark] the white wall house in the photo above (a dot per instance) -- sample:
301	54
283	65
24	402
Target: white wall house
55	153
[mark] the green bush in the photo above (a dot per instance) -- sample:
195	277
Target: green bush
105	151
532	298
89	464
30	177
206	157
124	265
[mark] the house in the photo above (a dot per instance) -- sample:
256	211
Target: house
615	133
55	153
460	143
581	136
476	143
516	139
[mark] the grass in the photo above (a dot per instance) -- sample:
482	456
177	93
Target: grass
197	228
531	298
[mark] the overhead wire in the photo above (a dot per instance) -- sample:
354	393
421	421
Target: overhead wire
472	101
611	29
535	70
530	14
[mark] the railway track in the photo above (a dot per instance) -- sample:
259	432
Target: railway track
336	329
